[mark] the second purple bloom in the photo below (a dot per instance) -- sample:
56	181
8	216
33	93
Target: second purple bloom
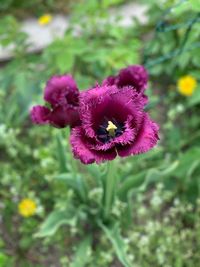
62	95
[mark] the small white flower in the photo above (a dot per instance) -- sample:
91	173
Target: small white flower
160	186
142	211
156	201
144	240
176	202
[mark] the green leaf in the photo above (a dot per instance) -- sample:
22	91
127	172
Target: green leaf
76	182
5	4
108	3
195	4
5	260
195	98
65	60
194	166
118	243
81	256
154	175
186	160
53	222
131	182
69	179
142	180
183	7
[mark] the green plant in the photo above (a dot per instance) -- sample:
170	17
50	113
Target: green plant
151	218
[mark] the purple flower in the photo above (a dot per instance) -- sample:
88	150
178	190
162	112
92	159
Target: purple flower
134	75
112	123
62	94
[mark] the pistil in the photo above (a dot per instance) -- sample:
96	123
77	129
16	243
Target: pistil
111	128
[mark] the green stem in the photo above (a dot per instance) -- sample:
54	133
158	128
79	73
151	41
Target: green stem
61	154
109	189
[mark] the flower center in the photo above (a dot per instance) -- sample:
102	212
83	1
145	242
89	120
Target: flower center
109	130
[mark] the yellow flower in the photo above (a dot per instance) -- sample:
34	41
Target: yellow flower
45	19
27	207
187	85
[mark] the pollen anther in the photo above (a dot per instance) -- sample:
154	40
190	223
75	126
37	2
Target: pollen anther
111	128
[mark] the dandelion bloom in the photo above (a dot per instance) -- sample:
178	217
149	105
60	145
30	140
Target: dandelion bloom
45	19
113	123
187	85
134	75
62	94
27	207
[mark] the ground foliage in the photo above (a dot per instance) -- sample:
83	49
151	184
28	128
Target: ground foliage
154	220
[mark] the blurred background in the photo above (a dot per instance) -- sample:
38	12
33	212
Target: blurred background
158	205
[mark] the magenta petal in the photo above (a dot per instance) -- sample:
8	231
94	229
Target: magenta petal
110	80
81	150
63	116
40	114
135	76
58	117
146	139
61	90
145	99
74	117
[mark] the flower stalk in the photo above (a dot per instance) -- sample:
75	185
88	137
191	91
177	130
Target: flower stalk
109	189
